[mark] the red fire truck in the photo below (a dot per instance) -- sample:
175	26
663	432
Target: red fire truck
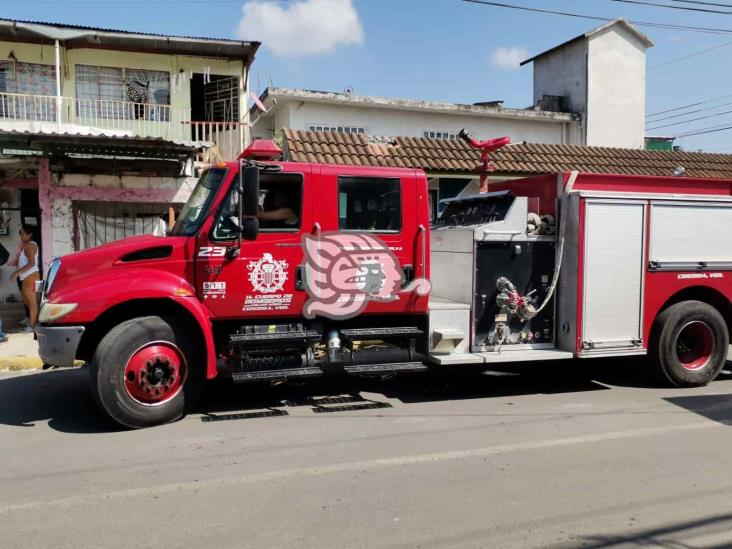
562	266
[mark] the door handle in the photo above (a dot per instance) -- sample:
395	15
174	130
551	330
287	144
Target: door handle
316	230
300	278
423	244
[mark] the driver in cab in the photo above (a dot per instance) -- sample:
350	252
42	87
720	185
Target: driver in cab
275	210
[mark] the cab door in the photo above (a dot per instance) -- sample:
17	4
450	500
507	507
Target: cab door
262	279
389	205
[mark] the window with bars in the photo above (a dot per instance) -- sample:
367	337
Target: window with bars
97	223
32	85
440	135
340	129
27	78
105	92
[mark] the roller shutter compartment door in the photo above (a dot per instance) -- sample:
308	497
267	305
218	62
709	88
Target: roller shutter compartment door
688	236
613	274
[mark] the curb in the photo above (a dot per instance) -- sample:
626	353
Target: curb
17	363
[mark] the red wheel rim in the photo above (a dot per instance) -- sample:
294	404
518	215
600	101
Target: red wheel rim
155	373
695	345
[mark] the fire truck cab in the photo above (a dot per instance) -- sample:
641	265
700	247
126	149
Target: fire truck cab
560	266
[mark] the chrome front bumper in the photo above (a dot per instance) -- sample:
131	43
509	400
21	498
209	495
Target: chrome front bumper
57	345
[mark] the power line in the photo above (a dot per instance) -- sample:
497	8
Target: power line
705	102
707	30
725	128
688	113
691	120
685	57
724	124
700	2
671	7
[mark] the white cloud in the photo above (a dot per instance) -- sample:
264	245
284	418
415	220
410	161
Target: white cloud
303	28
509	57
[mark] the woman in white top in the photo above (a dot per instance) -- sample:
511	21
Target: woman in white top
28	272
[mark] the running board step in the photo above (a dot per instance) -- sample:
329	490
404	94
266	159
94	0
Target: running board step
261	375
381	333
385	368
277	337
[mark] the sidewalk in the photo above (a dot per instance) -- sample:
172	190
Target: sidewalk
20	352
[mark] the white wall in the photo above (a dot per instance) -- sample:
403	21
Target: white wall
391	122
176	189
616	90
604	77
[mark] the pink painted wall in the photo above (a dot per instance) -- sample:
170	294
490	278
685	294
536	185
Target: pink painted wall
49	194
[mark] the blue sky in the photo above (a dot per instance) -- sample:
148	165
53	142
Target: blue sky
434	49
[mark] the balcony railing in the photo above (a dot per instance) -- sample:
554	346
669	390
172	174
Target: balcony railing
141	119
36	108
99	116
226	138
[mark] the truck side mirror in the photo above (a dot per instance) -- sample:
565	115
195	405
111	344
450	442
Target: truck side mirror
249	228
250	191
248	202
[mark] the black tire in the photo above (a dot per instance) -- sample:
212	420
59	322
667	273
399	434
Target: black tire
117	348
689	344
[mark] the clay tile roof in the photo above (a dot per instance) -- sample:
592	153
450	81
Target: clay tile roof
454	156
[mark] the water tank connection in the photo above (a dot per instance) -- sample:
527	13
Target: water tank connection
514	312
513	303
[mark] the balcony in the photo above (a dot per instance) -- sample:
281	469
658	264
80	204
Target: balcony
39	114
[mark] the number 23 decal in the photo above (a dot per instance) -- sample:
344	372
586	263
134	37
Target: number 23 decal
212	251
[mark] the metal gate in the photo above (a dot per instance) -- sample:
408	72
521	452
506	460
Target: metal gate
97	223
221	97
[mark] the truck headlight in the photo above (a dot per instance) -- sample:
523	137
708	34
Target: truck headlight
51	312
52	272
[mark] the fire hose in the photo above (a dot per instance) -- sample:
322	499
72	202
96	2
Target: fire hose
560	241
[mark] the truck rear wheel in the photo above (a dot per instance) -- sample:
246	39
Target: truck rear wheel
689	346
146	372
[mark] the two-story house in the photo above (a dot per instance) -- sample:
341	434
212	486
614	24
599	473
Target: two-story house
101	130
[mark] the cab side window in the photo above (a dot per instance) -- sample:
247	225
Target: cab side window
280	207
369	204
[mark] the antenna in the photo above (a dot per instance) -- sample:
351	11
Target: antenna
258	103
264	110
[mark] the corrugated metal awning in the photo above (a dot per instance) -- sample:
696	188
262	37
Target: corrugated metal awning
75	36
63	144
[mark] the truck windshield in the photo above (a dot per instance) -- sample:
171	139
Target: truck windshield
194	212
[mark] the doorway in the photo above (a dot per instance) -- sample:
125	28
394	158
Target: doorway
216	100
215	115
30	214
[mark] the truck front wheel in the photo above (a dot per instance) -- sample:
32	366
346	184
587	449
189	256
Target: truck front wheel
146	372
689	345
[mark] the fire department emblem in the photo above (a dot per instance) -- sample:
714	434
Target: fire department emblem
267	275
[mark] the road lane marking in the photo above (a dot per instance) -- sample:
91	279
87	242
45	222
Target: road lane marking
355	466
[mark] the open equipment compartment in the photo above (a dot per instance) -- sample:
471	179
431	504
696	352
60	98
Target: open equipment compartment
512	268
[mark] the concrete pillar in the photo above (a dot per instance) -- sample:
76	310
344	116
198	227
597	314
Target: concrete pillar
45	184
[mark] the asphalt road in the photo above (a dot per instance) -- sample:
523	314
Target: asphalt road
560	455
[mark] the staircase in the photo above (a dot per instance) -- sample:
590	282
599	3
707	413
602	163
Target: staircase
11	314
